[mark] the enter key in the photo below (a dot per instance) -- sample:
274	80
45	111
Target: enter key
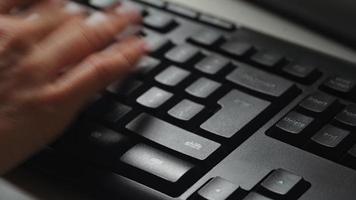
237	111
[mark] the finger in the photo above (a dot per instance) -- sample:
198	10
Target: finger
8	5
19	36
97	72
76	40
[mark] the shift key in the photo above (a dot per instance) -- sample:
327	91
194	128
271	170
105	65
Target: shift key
172	137
237	111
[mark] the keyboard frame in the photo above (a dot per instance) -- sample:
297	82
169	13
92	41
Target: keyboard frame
248	164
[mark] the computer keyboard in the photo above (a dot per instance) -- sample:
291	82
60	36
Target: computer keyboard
198	96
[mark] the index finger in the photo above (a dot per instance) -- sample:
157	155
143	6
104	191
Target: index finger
8	5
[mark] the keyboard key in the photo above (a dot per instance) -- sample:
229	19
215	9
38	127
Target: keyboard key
347	116
281	182
99	144
267	59
256	196
172	76
182	53
185	110
160	22
260	81
124	88
115	112
147	64
217	189
340	84
220	23
182	10
352	151
156	3
206	37
156	42
154	97
304	73
294	123
153	161
173	137
212	64
318	102
330	136
102	3
203	87
237	111
236	48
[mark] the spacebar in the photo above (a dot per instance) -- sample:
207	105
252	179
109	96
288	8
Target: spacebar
172	137
237	110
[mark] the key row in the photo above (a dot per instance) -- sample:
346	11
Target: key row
262	58
244	76
191	14
279	184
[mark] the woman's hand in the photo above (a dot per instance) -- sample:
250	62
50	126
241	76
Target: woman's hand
53	59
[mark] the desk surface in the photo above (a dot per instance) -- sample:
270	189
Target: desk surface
24	185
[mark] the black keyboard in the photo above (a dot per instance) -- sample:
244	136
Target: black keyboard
205	89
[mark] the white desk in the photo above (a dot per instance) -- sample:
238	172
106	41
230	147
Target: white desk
27	186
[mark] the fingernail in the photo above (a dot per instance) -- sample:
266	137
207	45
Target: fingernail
143	45
130	10
73	8
103	3
129	31
96	19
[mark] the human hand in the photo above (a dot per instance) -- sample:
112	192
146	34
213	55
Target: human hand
53	59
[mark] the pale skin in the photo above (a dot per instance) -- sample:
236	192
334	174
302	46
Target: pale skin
53	60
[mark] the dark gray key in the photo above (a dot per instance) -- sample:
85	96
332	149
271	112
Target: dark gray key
124	88
156	42
236	48
348	115
317	102
185	110
173	137
103	138
281	182
260	81
159	21
147	64
154	97
115	112
182	10
220	23
212	64
157	3
217	189
203	87
182	53
299	71
294	123
267	59
156	162
352	152
172	76
206	37
256	196
340	84
330	136
237	110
